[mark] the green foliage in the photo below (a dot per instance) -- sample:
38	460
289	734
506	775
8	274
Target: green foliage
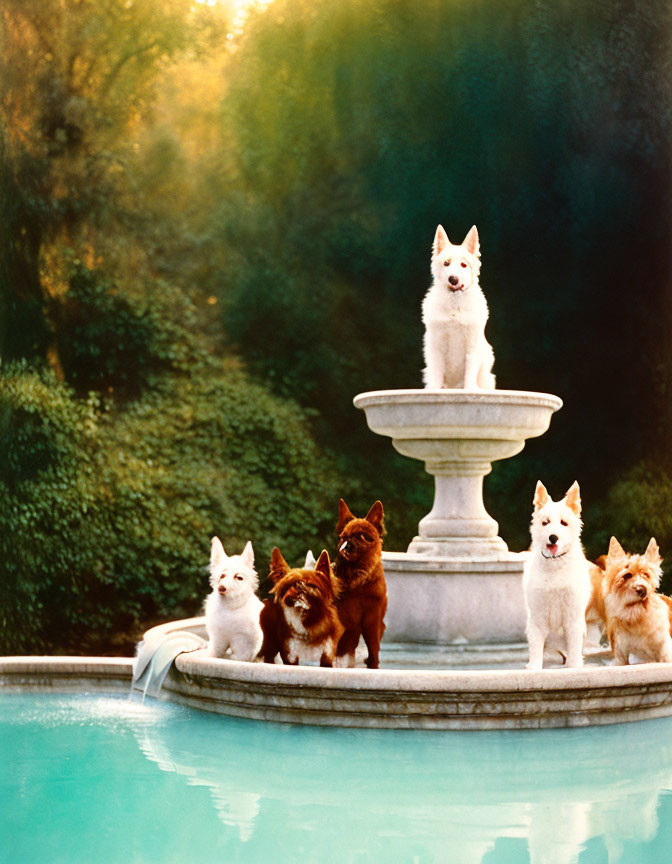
78	78
45	437
40	426
111	337
103	340
636	509
108	514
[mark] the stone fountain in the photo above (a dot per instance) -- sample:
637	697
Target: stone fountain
457	586
457	582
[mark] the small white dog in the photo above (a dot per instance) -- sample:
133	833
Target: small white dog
455	312
232	609
556	578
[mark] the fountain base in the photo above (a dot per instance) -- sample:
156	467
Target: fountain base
460	548
454	600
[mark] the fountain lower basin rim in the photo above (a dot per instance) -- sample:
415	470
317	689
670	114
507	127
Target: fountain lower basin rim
386	698
383	698
416	699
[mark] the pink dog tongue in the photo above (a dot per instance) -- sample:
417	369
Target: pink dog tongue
552	548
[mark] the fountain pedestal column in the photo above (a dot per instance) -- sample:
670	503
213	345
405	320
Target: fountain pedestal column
457	581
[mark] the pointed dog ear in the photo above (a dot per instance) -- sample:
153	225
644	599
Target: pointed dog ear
652	553
344	516
471	242
615	549
217	553
540	496
279	567
323	565
573	498
440	240
248	554
323	570
375	517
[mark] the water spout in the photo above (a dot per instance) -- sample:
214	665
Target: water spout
156	654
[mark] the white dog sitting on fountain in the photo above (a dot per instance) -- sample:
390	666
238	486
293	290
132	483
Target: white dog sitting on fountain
232	609
455	312
556	580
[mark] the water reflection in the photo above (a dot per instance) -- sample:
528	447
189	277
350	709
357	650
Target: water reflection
411	796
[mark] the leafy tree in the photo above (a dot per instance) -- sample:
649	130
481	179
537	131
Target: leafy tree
77	78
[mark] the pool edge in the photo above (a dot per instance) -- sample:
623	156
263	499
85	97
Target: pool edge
66	674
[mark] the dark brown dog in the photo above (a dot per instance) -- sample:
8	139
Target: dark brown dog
300	621
362	599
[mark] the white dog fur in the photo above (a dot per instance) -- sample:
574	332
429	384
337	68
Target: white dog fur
455	312
556	578
232	609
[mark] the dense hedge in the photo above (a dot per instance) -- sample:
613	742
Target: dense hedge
636	509
107	514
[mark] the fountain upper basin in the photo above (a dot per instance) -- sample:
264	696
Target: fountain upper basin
433	424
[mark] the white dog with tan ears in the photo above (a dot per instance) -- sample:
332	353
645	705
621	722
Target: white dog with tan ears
232	609
455	312
556	578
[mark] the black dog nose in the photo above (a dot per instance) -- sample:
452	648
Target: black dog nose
453	280
641	590
552	539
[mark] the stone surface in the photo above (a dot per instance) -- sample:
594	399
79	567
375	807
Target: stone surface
454	600
417	698
66	674
501	699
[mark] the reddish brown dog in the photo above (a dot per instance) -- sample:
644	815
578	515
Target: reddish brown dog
362	599
300	621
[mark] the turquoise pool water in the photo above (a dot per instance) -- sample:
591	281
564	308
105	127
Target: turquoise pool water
104	780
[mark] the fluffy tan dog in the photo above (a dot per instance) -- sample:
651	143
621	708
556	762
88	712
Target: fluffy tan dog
638	619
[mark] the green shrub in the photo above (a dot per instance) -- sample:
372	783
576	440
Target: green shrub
45	437
104	339
637	507
108	514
